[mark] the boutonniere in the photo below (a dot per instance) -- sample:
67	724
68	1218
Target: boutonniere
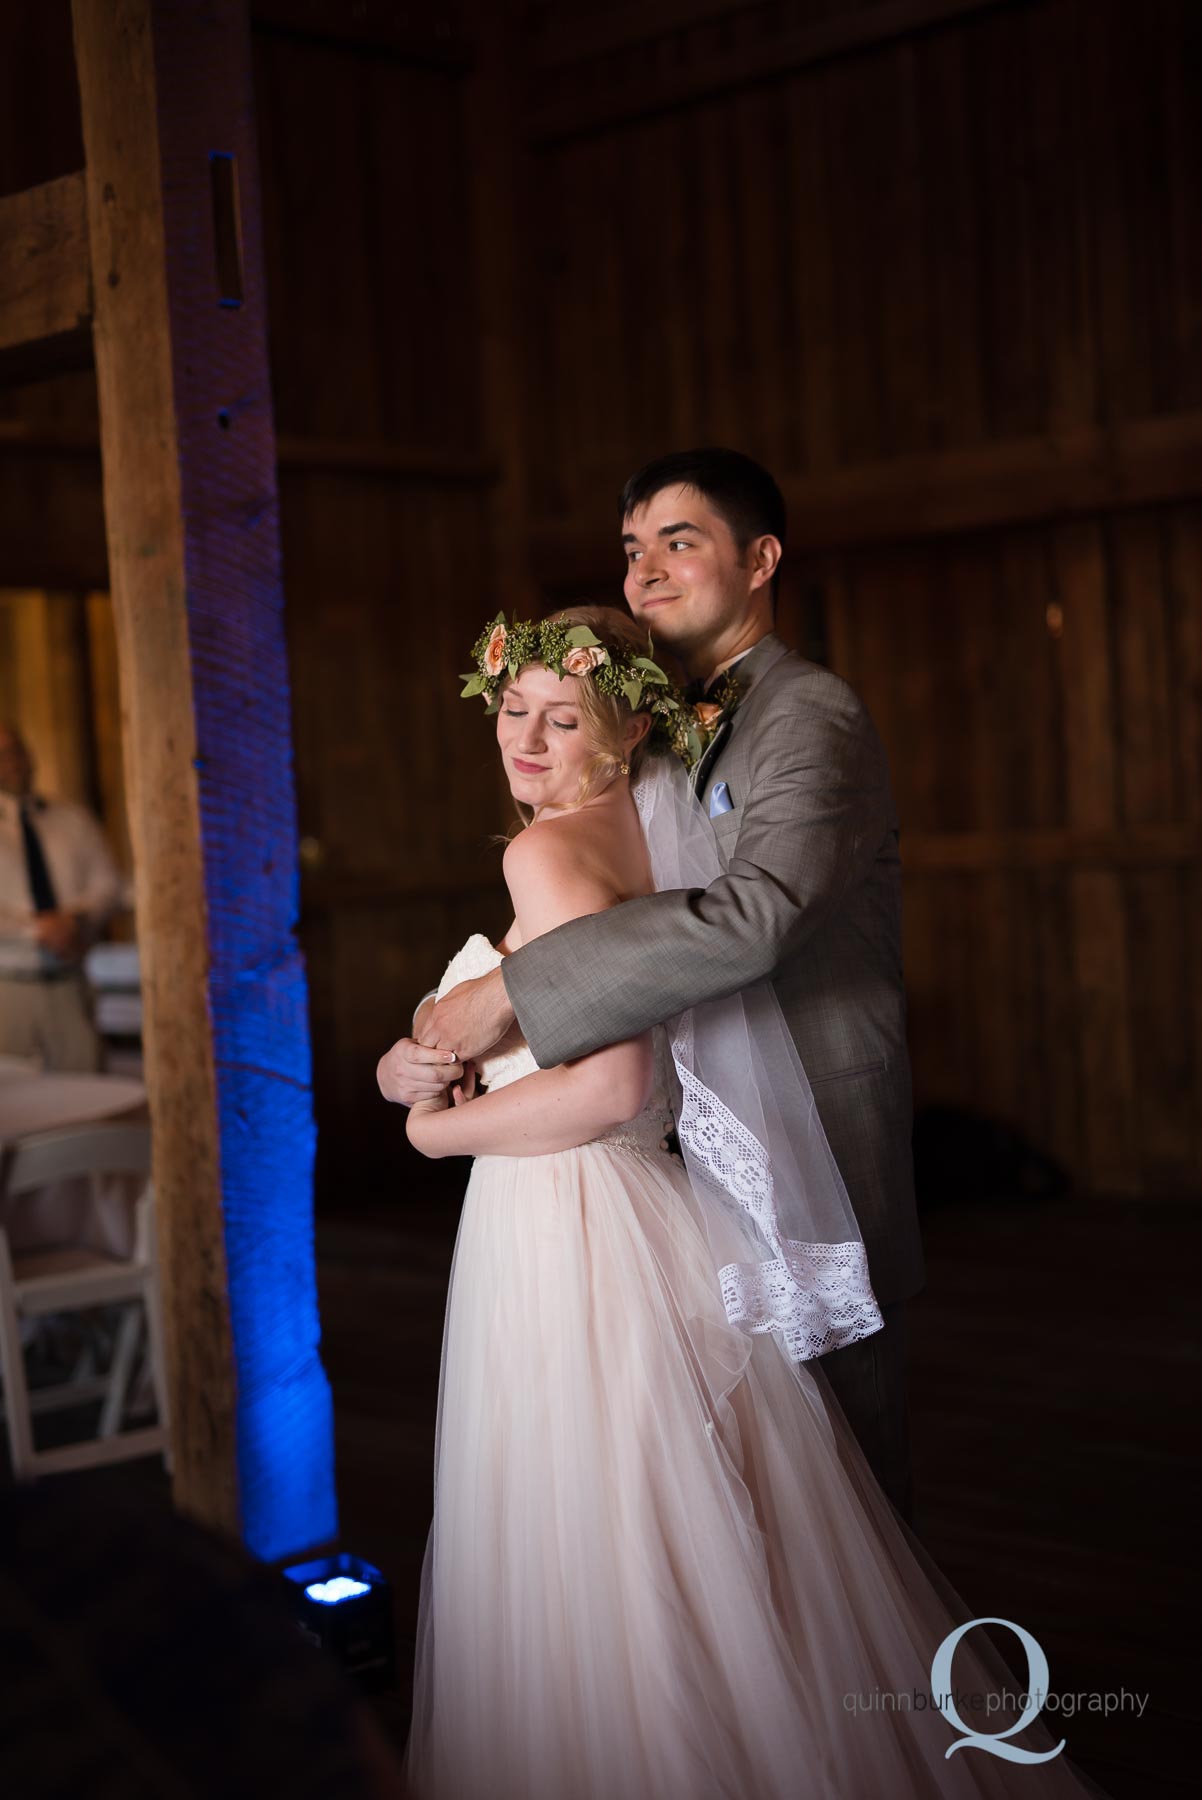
709	715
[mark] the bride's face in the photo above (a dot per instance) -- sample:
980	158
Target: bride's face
543	744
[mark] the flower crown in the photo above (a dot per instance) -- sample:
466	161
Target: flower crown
503	649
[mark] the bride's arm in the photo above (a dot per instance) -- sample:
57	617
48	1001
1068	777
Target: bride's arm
550	881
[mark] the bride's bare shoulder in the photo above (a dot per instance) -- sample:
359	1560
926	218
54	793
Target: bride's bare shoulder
550	845
554	872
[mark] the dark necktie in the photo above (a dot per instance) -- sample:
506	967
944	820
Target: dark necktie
695	691
40	884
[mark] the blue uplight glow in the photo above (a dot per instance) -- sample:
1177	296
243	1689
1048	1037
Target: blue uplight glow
332	1593
259	1008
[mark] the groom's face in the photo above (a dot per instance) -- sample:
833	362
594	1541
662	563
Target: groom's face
686	578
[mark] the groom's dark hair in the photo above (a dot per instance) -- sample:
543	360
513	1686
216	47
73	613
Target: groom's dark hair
738	489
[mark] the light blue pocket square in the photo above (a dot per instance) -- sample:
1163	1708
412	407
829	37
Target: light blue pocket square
720	800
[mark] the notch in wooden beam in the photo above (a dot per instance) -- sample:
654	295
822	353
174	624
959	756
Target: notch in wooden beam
45	281
227	229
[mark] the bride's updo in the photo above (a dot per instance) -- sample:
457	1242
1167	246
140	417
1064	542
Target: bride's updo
604	716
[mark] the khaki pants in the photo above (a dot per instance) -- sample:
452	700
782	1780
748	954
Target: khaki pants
51	1021
868	1380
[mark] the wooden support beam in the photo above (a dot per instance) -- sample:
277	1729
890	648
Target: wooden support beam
1143	462
45	281
412	34
979	852
639	78
329	456
565	36
188	453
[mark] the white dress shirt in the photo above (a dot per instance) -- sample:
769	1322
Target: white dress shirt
80	864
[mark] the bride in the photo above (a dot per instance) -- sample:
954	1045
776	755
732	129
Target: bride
658	1567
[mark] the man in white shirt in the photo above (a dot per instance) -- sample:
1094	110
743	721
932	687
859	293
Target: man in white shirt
58	886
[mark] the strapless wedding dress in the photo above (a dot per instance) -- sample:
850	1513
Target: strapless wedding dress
658	1568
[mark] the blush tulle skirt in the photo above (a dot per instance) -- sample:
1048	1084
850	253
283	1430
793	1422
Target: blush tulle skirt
658	1568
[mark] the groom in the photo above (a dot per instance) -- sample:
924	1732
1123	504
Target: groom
796	783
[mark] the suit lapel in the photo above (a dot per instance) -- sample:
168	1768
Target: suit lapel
706	762
756	663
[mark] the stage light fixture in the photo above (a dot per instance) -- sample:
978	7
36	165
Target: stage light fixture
344	1606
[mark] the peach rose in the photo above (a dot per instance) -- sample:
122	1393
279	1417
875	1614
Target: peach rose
708	713
494	656
585	657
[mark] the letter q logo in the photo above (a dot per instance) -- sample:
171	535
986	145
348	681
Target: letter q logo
993	1741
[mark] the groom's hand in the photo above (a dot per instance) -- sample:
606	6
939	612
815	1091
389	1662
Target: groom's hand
471	1018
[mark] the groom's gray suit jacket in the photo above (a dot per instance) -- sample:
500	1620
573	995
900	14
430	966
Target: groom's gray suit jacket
811	897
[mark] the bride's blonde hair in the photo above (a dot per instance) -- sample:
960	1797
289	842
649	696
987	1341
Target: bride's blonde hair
606	716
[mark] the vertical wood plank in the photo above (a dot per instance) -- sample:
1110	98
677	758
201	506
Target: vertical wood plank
50	689
67	658
1059	1023
952	246
1097	916
1017	389
974	746
10	710
1181	168
839	622
134	372
1192	988
1158	927
1100	961
1030	695
189	457
721	360
1145	724
904	369
809	133
761	257
1091	774
34	684
1183	571
106	719
500	193
1113	63
998	995
1061	173
851	95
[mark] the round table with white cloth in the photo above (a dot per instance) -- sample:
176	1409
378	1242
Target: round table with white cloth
69	1212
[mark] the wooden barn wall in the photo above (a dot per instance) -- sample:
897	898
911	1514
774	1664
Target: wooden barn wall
938	266
387	498
935	261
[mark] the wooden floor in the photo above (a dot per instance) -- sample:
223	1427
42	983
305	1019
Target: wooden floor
1053	1363
1052	1359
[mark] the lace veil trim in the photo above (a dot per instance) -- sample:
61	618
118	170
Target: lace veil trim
750	1132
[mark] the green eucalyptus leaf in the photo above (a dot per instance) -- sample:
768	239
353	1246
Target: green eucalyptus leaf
633	690
580	637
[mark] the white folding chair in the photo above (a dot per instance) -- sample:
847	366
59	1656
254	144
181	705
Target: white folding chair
70	1278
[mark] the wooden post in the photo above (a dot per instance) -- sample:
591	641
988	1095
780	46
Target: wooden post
188	449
